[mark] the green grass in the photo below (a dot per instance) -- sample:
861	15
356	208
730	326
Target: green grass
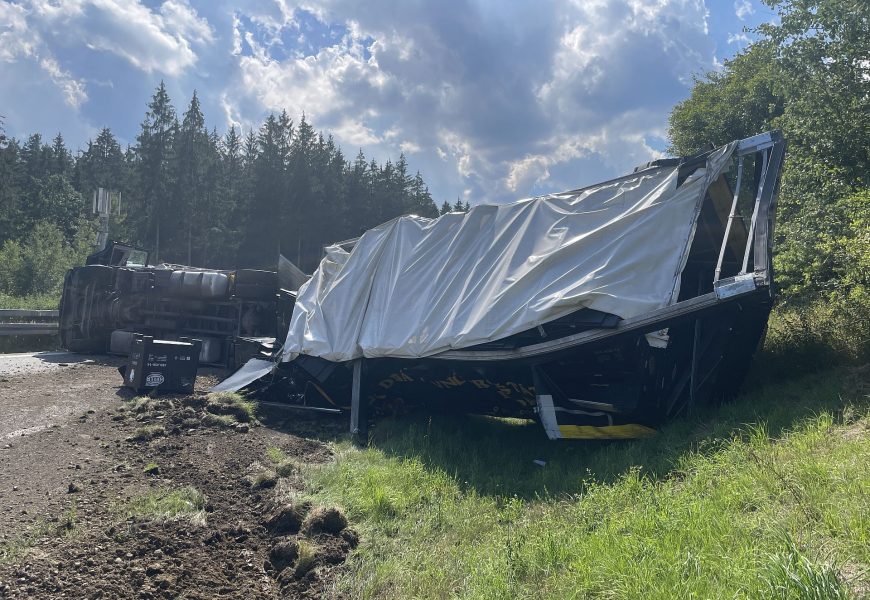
222	421
288	468
307	555
234	404
148	432
32	302
185	503
767	497
14	548
275	455
285	466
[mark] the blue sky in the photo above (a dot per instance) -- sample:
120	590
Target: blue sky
490	100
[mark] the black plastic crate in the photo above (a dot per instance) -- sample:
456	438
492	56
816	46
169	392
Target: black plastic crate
166	365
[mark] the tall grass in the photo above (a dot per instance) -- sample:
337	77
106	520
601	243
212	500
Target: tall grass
818	333
30	302
766	497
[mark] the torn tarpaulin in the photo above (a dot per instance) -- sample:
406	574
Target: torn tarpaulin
414	287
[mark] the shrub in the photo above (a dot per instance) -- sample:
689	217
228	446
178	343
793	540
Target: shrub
818	333
11	267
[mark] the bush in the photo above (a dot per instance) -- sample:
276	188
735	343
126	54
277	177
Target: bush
36	264
11	267
820	332
45	259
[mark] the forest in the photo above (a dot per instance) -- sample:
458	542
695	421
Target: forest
192	196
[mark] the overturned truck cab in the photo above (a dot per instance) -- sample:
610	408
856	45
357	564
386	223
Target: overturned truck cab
118	295
600	312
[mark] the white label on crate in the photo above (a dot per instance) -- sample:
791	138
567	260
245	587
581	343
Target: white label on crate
154	379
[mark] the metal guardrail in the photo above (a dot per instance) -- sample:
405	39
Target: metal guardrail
16	321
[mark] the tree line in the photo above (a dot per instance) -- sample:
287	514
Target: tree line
190	195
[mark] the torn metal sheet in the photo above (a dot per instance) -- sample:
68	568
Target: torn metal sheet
250	372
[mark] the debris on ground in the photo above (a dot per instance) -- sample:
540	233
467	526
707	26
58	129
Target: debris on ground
159	506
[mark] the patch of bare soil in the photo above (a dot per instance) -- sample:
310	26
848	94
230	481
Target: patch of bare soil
69	526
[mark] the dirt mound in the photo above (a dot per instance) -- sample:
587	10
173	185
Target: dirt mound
288	518
283	554
160	517
325	520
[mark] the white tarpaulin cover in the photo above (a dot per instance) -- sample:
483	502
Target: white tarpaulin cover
414	287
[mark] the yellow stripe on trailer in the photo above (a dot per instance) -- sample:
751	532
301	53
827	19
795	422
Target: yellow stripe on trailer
607	432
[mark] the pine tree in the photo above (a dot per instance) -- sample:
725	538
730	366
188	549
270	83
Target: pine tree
61	160
101	165
422	203
153	153
233	190
191	196
11	195
191	160
356	195
266	216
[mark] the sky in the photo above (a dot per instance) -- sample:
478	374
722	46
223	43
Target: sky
491	100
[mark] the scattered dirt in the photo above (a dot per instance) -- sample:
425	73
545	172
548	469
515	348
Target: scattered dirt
65	489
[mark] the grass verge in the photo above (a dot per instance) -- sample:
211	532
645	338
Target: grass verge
767	497
31	302
148	432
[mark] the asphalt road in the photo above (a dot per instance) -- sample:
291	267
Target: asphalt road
35	362
42	389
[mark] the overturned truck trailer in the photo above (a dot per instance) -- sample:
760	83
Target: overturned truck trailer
600	312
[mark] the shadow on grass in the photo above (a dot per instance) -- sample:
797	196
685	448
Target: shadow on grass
496	456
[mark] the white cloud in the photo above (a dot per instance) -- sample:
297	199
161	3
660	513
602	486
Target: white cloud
409	147
528	172
355	133
17	42
179	17
501	109
14	38
740	39
73	91
743	8
237	36
316	84
492	100
159	41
